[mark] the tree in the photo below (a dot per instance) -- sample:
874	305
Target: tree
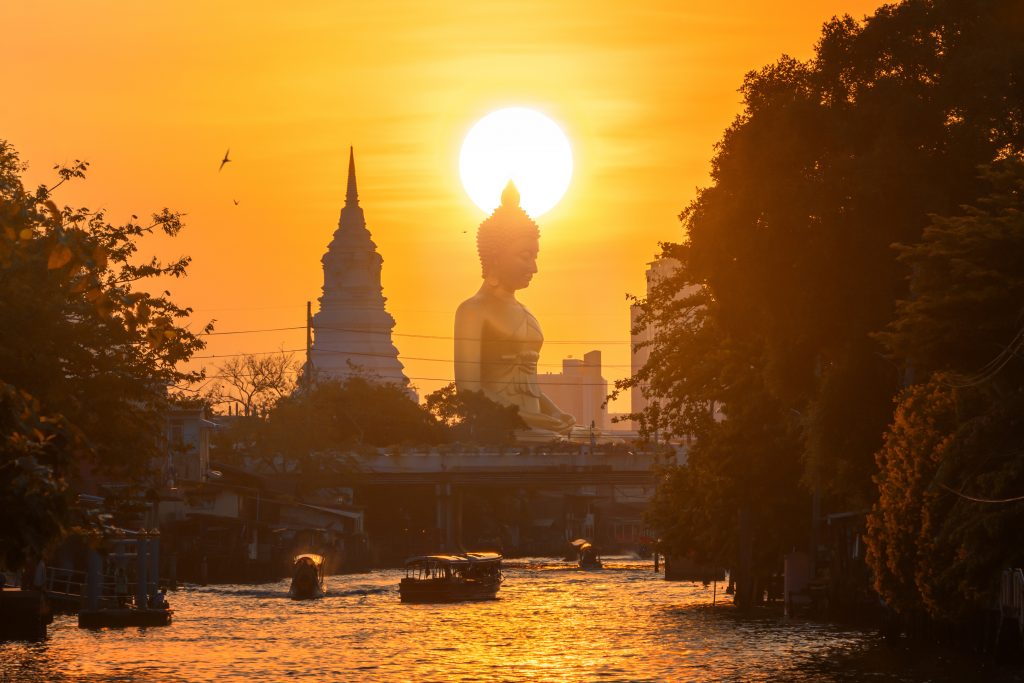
254	383
934	544
307	431
86	354
915	446
471	417
789	249
34	457
735	502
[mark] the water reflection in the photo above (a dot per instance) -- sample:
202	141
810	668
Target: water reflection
552	622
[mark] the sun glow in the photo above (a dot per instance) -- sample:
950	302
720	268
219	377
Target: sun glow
521	145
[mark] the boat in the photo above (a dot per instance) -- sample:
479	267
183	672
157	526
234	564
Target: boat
307	577
587	555
451	578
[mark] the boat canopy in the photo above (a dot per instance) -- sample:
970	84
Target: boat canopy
466	558
317	560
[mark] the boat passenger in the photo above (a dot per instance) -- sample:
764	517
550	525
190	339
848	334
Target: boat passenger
121	587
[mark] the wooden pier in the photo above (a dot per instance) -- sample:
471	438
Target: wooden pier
141	549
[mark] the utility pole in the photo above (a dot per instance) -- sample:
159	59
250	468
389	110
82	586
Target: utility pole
307	376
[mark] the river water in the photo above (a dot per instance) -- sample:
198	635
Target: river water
552	622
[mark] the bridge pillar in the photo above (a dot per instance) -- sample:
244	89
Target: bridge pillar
448	506
442	504
457	522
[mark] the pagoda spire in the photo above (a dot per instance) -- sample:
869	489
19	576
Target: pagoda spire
352	330
352	196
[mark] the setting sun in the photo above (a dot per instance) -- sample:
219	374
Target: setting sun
521	145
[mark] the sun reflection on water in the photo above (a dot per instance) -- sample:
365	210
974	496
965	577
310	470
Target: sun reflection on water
552	622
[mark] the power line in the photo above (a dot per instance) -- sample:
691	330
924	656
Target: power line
994	366
269	329
389	308
210	378
444	360
452	338
251	353
1016	499
429	379
385	355
402	334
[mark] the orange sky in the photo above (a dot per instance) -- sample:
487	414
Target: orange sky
153	93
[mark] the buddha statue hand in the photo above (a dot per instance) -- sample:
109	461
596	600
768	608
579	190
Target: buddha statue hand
550	419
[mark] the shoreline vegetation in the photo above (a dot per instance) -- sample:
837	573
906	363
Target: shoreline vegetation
837	333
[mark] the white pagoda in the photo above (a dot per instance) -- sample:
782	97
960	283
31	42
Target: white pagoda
352	331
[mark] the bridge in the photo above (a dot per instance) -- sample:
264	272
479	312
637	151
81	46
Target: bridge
617	475
510	467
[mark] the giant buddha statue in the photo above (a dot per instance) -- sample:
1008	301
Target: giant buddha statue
497	340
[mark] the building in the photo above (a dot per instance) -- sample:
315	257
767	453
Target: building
352	331
579	389
657	271
187	437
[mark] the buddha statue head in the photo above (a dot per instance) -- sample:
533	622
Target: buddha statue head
507	243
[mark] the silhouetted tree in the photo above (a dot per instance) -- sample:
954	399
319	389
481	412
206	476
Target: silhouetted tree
957	435
86	355
35	454
471	417
831	162
310	430
253	383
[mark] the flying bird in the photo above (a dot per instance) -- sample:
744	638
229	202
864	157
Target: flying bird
236	202
224	160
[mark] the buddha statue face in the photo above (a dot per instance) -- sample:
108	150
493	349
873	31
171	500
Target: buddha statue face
515	265
508	243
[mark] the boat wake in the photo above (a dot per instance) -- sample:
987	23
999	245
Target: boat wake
359	592
241	592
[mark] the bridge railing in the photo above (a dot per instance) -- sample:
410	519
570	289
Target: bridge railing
69	584
488	460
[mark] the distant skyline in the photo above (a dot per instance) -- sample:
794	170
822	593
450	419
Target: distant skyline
153	94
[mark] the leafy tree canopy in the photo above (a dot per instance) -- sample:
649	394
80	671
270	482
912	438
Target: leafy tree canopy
938	535
788	251
86	352
307	430
471	417
765	337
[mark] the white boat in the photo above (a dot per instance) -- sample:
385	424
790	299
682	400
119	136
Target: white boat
587	554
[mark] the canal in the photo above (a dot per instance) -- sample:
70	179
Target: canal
552	622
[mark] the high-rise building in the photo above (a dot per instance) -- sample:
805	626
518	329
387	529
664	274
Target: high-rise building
352	331
656	272
579	389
